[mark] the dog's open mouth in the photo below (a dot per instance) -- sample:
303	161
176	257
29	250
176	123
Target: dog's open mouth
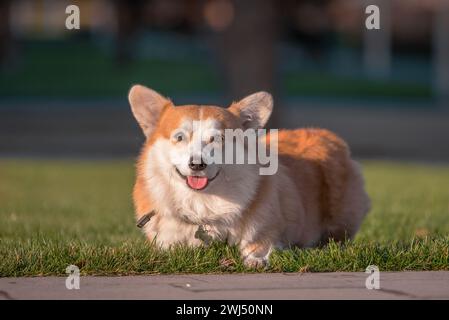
197	182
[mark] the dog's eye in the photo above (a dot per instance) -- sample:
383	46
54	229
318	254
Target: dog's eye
179	137
211	139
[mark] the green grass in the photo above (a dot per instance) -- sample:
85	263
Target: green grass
56	213
316	84
52	69
78	69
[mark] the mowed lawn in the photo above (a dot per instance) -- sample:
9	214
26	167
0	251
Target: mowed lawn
57	213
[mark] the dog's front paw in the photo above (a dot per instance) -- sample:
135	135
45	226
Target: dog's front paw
254	262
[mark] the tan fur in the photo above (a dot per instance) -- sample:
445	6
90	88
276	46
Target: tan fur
316	194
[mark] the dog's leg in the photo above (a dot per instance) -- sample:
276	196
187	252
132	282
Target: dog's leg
256	254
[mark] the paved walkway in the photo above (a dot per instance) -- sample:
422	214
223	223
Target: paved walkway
86	129
393	285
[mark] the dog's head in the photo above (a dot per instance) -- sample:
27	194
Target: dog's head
181	141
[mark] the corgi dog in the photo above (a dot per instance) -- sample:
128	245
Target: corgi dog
316	194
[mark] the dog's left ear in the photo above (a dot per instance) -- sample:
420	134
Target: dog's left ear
254	110
147	105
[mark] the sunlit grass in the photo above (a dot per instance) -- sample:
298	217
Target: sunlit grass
56	213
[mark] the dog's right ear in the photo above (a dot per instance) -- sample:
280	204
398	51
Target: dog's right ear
147	106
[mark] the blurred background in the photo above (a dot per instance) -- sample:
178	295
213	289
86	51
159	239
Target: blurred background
63	93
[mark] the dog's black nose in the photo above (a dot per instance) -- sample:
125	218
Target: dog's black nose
197	166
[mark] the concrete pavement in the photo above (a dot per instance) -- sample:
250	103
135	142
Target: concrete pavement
108	129
393	285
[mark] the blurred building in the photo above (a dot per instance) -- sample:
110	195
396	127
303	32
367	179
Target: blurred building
245	34
386	91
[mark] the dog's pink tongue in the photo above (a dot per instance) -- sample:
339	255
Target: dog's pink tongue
196	182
